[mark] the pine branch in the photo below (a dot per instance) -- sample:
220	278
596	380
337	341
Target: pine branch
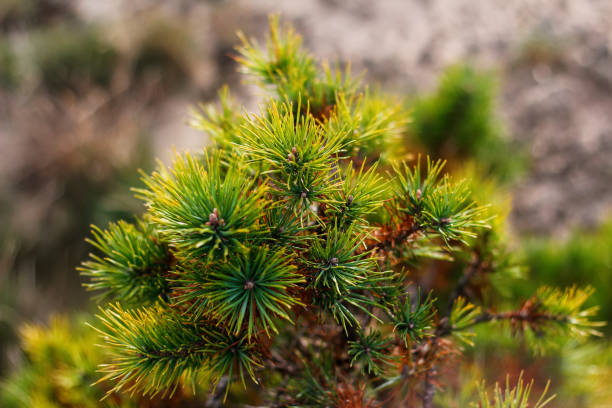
430	389
372	351
248	291
414	321
473	268
551	314
134	265
154	351
203	208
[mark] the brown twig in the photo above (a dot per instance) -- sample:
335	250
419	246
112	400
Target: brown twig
474	267
430	389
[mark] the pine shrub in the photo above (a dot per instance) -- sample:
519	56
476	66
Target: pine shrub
303	258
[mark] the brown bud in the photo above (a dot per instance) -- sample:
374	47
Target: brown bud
334	261
419	194
349	199
249	285
294	150
304	194
445	220
213	218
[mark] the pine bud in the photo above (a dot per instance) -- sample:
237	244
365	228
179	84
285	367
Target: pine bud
292	155
304	194
249	285
213	219
349	199
334	261
419	194
445	221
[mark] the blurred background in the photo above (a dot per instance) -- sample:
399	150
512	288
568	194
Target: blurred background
91	91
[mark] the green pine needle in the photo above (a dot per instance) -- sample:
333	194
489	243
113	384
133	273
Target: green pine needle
463	315
516	397
133	264
152	351
371	351
337	264
414	321
362	192
291	145
203	208
246	293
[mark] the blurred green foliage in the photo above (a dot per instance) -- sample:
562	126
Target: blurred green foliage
8	66
163	51
70	57
459	121
61	369
61	366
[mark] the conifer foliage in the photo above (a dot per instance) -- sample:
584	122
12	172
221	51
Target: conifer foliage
289	257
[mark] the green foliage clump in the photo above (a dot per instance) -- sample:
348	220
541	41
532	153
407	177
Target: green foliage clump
251	287
8	66
459	121
222	193
61	366
162	52
371	122
294	255
134	264
71	57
